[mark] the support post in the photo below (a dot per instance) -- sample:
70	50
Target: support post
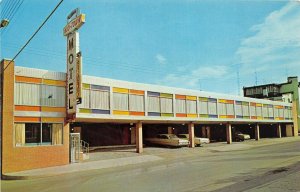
208	132
133	137
257	137
139	137
191	135
203	129
228	133
279	131
170	130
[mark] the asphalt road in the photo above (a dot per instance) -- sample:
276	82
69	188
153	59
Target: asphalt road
243	170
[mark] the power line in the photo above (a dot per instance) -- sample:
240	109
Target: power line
10	17
34	34
9	9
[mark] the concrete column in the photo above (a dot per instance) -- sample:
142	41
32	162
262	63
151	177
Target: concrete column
132	140
170	130
208	132
278	130
289	130
257	137
228	133
191	135
139	137
203	129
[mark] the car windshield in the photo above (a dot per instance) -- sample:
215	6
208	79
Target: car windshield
173	136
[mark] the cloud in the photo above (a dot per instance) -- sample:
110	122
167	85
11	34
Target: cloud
274	48
161	59
193	78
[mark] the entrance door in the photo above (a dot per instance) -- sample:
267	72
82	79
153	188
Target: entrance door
74	147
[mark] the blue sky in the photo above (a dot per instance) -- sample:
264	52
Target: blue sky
188	43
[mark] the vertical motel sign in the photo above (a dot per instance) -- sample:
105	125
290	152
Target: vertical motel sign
74	21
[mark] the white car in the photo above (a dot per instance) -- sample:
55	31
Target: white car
198	141
167	140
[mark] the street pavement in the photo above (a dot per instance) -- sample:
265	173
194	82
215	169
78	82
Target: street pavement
265	165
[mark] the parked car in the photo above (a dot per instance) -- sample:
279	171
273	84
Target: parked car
239	136
198	140
167	140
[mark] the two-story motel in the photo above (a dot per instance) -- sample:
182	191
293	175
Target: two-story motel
35	130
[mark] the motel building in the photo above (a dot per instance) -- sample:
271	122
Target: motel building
36	131
53	118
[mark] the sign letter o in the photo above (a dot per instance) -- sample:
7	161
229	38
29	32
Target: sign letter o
71	58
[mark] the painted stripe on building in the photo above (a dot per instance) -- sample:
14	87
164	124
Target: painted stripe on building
27	108
191	98
100	111
120	90
28	79
167	114
192	115
118	112
136	92
180	96
27	119
54	82
52	120
181	115
153	114
137	113
104	88
166	95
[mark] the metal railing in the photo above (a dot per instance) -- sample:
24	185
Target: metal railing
85	148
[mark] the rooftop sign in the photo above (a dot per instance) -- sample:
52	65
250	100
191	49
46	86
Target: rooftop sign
74	24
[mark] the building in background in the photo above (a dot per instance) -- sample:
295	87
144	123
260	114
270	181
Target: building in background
287	92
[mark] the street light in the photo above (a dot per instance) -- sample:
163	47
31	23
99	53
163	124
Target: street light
4	23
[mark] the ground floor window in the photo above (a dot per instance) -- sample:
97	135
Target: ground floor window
30	134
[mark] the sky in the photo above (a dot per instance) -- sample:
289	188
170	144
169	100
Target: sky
209	45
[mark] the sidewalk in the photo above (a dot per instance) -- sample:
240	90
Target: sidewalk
118	158
75	167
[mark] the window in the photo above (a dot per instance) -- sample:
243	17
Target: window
153	104
191	106
203	107
31	134
222	108
212	108
180	106
166	105
99	99
36	94
120	101
136	102
238	109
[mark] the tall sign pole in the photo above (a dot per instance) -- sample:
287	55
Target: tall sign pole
74	21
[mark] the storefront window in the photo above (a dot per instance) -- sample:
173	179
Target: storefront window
32	133
46	133
29	134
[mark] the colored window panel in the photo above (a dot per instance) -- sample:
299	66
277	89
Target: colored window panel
136	103
120	101
166	105
153	104
180	106
191	106
99	99
203	107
